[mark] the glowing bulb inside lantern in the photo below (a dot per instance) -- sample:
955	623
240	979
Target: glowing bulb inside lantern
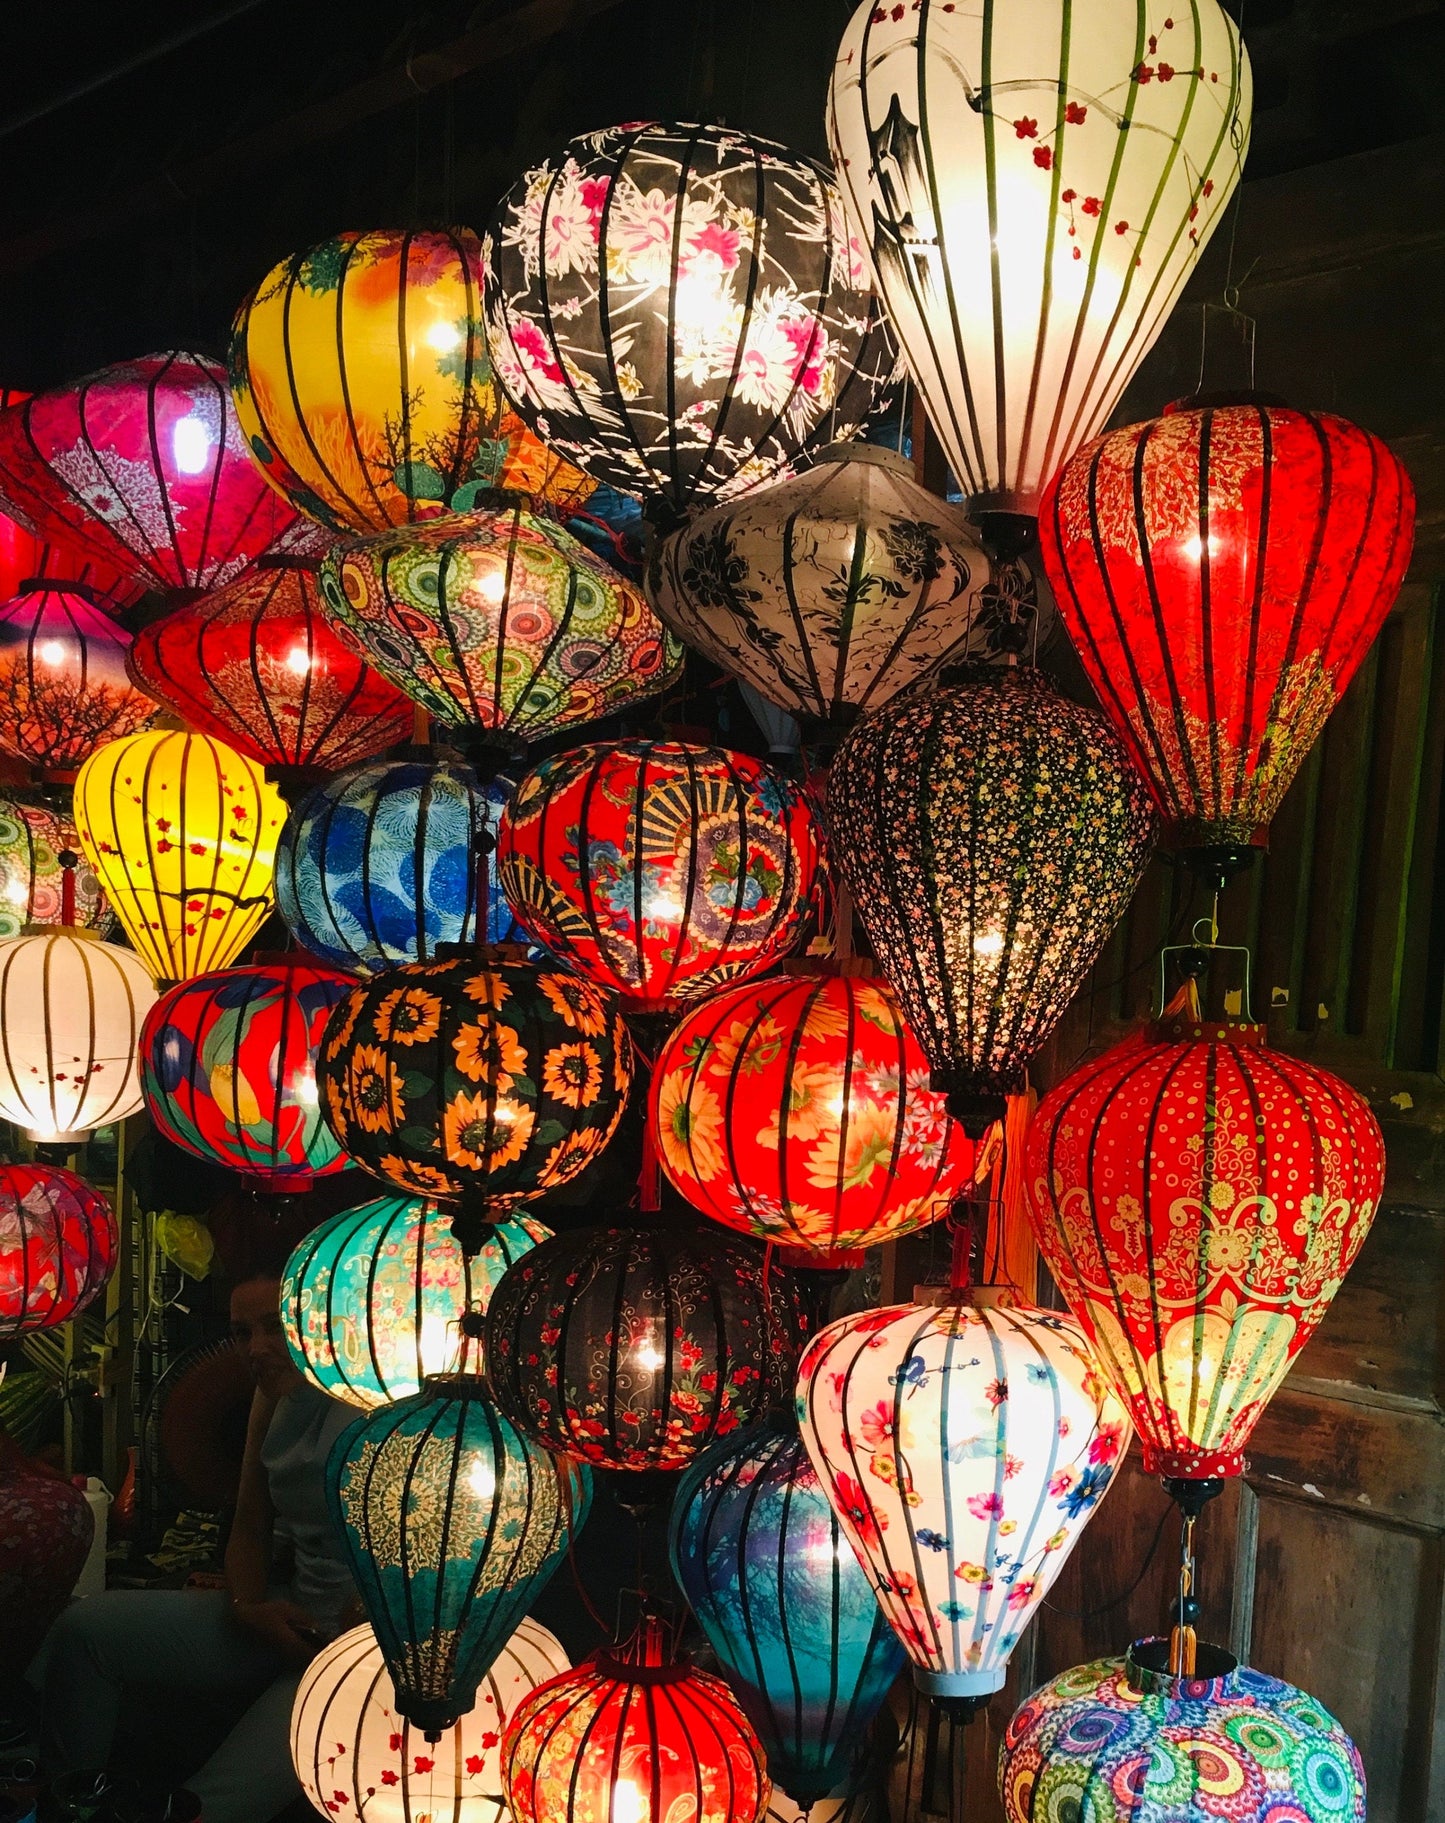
303	1089
702	306
650	1357
628	1803
51	652
298	659
1194	547
481	1478
988	943
492	586
661	908
191	444
17	892
445	338
436	1345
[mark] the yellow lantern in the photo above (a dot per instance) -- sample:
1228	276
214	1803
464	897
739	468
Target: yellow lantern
181	831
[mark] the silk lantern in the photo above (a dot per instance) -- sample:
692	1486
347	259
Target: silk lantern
452	1523
181	831
963	1446
228	1065
63	681
142	467
356	1755
1034	185
991	836
660	870
363	387
1222	571
797	1109
58	1246
785	1604
1198	1198
499	623
674	308
71	1009
373	1301
257	664
33	878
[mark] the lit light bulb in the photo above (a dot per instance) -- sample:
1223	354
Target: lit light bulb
303	1089
988	943
701	306
492	586
1194	547
628	1803
481	1478
298	659
51	652
191	444
445	338
17	892
661	908
436	1346
650	1357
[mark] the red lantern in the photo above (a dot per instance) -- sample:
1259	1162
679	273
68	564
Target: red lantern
64	688
46	1531
798	1110
258	664
1198	1199
58	1246
26	560
1222	571
142	467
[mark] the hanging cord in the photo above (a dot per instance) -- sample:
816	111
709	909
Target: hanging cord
1124	1594
1183	1640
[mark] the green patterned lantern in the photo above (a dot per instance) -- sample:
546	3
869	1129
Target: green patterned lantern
33	837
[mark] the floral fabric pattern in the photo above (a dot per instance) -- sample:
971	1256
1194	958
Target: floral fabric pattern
58	1246
32	839
45	1535
64	685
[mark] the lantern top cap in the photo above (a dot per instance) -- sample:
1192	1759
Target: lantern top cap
854	449
1146	1665
1225	397
1185	1028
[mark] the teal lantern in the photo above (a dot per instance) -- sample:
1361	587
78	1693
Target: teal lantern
453	1523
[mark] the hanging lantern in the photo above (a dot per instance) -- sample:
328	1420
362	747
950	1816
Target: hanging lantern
142	467
964	1447
363	387
48	1528
58	1246
63	682
258	665
634	1348
373	1300
181	832
1223	571
500	623
660	870
785	1604
228	1065
357	1756
475	1077
452	1523
1123	1738
33	877
1198	1199
674	308
630	1737
991	836
1034	185
797	1109
71	1009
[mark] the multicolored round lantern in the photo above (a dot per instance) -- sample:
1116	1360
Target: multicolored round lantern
363	387
1121	1739
372	1301
258	664
357	1755
1222	571
798	1109
991	836
476	1077
785	1604
499	622
660	870
142	467
1198	1199
63	681
228	1064
631	1737
71	1010
58	1246
33	837
963	1446
635	1348
675	307
1034	184
452	1523
181	831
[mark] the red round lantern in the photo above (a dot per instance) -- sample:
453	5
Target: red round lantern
798	1110
258	664
58	1246
1198	1199
1223	570
142	467
659	870
64	688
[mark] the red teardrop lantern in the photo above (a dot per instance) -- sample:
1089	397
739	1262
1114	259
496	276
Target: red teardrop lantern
1198	1198
58	1246
1222	571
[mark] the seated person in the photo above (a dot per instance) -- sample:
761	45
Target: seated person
247	1644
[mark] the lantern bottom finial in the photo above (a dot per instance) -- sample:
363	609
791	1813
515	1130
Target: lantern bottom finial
975	1110
1192	1493
1217	863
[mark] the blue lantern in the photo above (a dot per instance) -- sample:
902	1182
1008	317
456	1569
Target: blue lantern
788	1609
452	1523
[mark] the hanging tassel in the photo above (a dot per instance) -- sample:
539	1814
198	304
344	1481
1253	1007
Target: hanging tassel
1183	1639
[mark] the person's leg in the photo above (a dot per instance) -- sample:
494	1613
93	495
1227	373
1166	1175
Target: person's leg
250	1778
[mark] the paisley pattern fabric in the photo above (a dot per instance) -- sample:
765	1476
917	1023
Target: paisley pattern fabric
1121	1741
58	1246
64	686
1198	1198
32	839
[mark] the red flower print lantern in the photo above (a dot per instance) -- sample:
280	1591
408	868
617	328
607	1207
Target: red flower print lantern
258	664
1198	1199
58	1246
142	467
1223	570
63	682
798	1110
660	870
